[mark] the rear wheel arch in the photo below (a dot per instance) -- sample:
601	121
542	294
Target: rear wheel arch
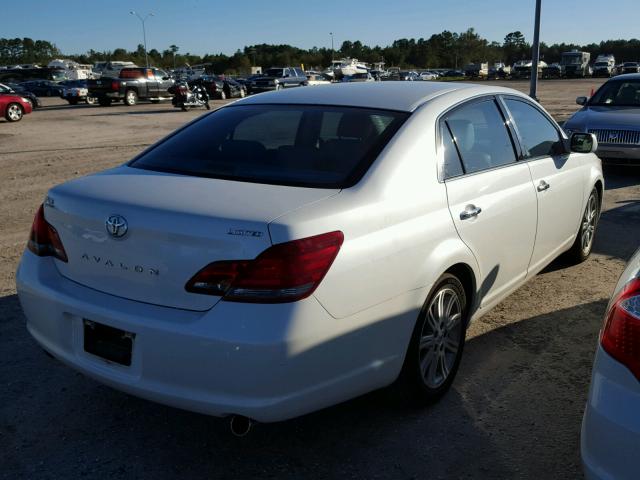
600	189
465	274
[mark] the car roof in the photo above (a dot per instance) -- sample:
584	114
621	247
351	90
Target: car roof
401	96
625	76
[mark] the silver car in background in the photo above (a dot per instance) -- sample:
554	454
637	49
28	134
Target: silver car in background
610	442
613	115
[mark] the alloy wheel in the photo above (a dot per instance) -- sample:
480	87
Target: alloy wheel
440	337
589	224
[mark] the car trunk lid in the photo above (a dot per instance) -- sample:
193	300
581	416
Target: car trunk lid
175	226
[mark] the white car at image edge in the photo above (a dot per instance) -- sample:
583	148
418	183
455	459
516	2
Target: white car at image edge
296	249
610	440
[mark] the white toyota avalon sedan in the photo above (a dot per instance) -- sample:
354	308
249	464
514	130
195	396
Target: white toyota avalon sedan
296	249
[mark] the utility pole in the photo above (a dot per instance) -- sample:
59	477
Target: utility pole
331	33
533	91
144	33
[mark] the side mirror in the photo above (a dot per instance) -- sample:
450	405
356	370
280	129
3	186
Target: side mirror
584	143
581	100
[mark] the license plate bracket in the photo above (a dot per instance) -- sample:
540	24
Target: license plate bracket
108	343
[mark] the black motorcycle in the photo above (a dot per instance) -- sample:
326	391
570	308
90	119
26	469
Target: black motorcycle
186	96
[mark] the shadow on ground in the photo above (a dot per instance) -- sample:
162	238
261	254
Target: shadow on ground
506	410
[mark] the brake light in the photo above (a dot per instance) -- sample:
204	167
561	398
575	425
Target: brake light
182	89
44	240
115	85
285	272
620	336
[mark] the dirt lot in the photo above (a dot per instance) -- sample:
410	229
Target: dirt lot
514	411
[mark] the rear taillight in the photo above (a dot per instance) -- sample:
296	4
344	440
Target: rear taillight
182	89
285	272
115	85
44	240
620	336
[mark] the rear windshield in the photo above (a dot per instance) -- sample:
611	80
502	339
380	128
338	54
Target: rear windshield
302	145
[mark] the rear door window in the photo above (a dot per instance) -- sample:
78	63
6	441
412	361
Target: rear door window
304	145
481	135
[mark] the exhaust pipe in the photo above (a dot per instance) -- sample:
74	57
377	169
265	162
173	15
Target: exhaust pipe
240	425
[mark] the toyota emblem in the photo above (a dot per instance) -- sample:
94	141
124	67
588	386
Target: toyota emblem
116	226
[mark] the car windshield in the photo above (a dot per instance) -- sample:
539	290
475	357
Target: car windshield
571	60
618	93
275	72
630	64
601	64
301	145
4	89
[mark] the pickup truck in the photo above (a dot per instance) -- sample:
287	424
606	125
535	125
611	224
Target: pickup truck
133	84
279	78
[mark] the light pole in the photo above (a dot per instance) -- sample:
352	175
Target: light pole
144	32
533	90
331	33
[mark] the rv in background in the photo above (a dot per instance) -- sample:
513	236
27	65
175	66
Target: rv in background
73	70
576	64
111	69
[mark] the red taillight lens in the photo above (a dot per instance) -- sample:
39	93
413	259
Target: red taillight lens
182	89
620	336
44	240
115	85
282	273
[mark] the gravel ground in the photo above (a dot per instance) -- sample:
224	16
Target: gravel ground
513	412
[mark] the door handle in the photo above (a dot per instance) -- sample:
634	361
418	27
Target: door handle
542	186
470	211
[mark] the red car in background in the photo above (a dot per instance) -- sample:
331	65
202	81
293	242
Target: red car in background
14	107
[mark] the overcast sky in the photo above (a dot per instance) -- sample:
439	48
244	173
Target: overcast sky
199	26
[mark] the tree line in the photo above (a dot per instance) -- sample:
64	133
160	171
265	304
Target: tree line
446	50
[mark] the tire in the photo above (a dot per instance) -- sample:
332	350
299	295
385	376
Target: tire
183	108
279	87
72	101
436	345
104	102
581	248
223	96
130	98
242	93
14	112
91	100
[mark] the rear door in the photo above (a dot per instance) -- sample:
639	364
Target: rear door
491	196
558	177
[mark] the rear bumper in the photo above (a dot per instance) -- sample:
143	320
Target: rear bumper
267	362
610	439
